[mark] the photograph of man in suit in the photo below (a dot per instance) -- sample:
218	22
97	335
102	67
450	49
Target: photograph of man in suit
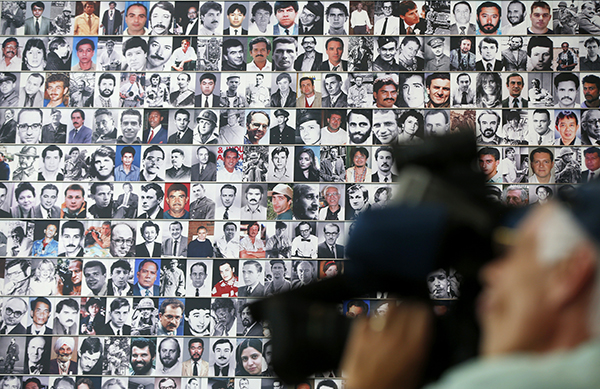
64	363
119	315
32	95
14	311
335	96
184	134
151	198
252	273
195	366
66	317
465	95
150	248
411	23
329	248
251	327
41	308
191	25
176	244
207	99
514	58
37	358
310	60
156	132
146	274
127	203
37	24
47	208
514	84
590	127
236	13
311	19
118	284
462	58
488	48
462	15
205	169
592	163
384	159
286	12
334	48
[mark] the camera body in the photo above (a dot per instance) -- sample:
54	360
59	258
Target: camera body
441	218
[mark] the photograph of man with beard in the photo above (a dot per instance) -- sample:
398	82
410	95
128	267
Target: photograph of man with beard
196	366
488	18
143	355
169	357
198	317
106	96
65	362
247	325
306	201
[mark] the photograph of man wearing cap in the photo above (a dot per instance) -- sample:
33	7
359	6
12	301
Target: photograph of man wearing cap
387	47
9	96
309	127
435	57
55	131
281	201
311	19
282	133
205	128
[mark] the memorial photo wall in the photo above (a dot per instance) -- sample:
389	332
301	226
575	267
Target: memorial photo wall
164	164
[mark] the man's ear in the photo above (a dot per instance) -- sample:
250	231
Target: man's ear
575	276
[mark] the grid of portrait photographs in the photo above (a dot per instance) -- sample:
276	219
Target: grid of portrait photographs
164	164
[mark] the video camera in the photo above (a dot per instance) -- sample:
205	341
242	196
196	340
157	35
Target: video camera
442	217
